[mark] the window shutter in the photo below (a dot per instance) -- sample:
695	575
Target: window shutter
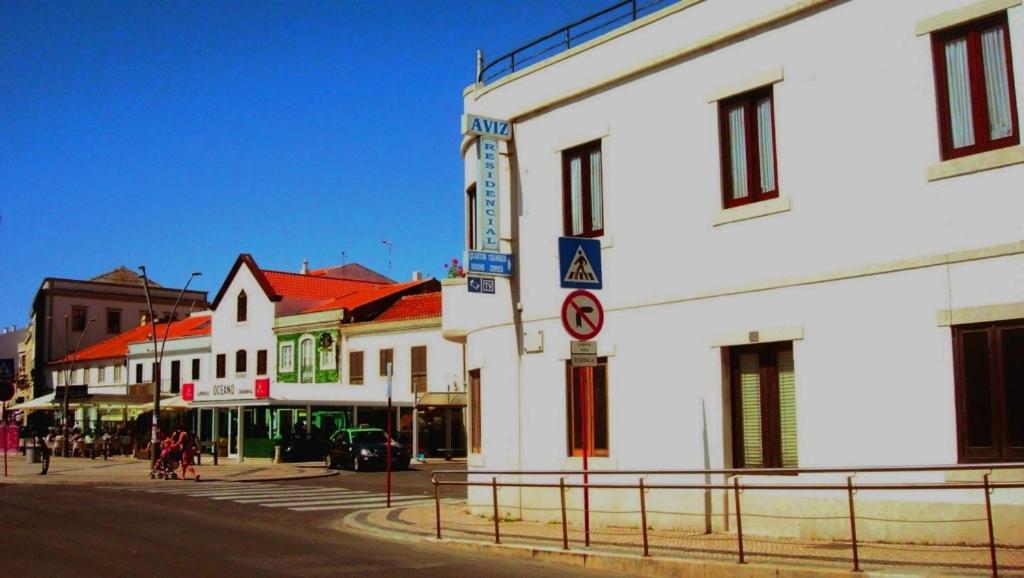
787	408
355	367
419	369
750	403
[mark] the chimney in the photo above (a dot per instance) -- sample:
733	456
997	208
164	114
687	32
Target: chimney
417	276
305	267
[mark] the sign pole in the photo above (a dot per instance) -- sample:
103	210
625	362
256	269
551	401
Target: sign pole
387	454
585	377
6	439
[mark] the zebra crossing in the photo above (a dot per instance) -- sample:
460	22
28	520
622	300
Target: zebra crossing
271	495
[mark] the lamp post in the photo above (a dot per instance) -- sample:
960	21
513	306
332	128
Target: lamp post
158	357
68	368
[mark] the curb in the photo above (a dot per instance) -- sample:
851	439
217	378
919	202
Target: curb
654	566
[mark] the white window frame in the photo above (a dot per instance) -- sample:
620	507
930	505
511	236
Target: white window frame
117	374
329	357
313	345
286	361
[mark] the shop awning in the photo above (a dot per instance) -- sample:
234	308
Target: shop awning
442	399
41	402
165	403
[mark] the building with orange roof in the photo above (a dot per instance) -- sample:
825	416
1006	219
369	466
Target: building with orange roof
112	381
289	356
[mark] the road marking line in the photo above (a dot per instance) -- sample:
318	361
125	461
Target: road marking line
269	494
330	494
197	490
369	500
355	506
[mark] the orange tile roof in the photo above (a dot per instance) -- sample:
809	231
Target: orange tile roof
413	307
117	346
362	297
299	286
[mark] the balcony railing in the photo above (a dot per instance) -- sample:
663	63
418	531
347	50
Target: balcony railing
732	484
566	37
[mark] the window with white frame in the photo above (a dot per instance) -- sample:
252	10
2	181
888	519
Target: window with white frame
101	374
328	356
286	357
117	374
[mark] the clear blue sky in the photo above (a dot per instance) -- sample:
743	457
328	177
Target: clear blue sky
179	134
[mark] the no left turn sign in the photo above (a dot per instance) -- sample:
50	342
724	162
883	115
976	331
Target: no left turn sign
582	315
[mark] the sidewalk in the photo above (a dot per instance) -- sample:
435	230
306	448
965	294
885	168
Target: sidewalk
122	469
679	553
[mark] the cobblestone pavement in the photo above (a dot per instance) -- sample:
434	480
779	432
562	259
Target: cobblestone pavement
121	469
419	521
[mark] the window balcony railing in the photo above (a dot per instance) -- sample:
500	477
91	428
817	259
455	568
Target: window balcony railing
566	37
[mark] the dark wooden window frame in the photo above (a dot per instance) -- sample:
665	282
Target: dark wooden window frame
771	411
138	373
386	355
261	362
418	375
79	315
583	152
475	437
1001	450
571	410
979	100
176	376
749	101
471	221
113	321
195	368
242	307
241	362
355	360
222	365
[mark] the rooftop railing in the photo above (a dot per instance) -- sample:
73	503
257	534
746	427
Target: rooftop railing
732	484
566	37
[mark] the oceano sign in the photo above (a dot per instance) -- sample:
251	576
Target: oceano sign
224	391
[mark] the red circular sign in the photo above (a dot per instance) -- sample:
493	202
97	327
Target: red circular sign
582	315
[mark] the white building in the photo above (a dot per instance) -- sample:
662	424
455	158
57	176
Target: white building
298	353
802	266
114	377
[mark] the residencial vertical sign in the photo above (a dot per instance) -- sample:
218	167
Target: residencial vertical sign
487	194
488	131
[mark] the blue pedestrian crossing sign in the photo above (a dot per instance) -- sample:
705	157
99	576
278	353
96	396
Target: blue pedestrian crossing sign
579	263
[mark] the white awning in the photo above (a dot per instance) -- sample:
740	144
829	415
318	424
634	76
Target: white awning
41	402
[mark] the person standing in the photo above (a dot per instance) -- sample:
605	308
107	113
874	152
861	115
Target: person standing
188	449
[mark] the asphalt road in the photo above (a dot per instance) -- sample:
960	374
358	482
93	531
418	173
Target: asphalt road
415	480
84	531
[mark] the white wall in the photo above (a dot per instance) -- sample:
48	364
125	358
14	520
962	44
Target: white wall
252	335
183	350
856	131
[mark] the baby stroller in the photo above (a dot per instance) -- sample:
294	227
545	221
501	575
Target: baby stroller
166	466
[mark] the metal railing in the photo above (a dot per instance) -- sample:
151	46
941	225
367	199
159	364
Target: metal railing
736	488
565	37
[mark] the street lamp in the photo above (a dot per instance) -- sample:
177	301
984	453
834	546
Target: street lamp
158	357
67	372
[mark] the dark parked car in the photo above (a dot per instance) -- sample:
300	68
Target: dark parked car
302	448
363	448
